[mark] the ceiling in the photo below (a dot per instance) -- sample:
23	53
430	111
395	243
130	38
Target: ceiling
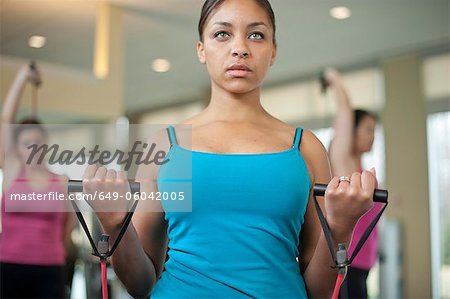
308	39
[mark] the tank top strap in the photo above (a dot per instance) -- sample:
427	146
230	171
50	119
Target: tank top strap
298	137
172	137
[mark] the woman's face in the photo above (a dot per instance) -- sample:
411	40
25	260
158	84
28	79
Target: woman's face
25	139
365	132
237	46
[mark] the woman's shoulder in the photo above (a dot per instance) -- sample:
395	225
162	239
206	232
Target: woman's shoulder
312	148
310	140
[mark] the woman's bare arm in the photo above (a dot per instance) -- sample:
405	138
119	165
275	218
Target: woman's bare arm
11	104
341	214
343	140
315	260
139	259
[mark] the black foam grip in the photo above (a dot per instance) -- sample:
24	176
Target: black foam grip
379	195
77	186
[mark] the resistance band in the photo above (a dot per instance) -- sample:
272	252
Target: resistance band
340	259
102	251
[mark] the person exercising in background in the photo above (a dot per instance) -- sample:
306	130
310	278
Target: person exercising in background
32	244
353	136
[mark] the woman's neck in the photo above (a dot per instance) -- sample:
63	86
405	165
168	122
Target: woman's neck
234	107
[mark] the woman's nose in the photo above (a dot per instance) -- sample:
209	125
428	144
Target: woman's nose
240	49
240	53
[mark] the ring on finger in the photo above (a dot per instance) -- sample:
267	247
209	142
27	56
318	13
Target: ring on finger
344	178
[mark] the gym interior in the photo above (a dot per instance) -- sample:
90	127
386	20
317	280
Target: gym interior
126	62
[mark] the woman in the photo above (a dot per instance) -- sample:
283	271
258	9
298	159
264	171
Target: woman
32	244
354	132
252	208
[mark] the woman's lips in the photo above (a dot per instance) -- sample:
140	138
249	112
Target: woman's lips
239	70
238	73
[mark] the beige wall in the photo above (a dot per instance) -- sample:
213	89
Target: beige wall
303	101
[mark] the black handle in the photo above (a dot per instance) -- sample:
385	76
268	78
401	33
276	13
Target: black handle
379	195
77	186
323	82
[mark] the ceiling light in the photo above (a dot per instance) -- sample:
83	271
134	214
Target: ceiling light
36	41
161	65
340	12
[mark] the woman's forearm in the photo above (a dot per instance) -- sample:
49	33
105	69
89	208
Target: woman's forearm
343	121
334	79
9	110
344	111
319	276
342	96
131	264
12	98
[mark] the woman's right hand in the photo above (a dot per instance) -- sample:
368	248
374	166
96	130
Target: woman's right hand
347	200
31	74
109	189
332	76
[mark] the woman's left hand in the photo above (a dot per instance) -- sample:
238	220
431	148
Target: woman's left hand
347	199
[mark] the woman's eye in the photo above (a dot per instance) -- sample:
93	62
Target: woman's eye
256	36
221	35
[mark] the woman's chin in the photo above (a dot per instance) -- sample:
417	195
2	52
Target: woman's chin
240	87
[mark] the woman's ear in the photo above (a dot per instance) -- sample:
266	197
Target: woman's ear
274	54
201	52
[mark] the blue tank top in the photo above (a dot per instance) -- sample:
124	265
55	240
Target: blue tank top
241	238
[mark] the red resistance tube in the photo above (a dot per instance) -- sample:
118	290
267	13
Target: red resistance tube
340	278
104	280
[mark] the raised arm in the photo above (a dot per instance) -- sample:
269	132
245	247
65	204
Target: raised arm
11	103
343	140
343	205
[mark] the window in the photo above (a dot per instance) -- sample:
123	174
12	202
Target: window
436	75
438	129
